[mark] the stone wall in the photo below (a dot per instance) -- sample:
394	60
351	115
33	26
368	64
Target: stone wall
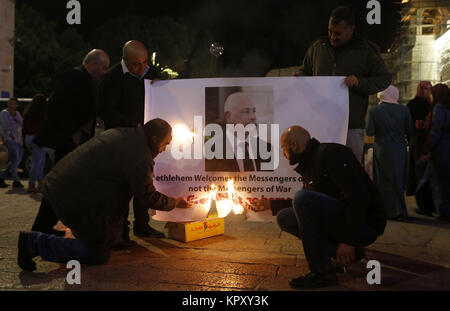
7	46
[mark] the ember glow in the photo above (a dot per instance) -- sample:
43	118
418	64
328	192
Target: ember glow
225	203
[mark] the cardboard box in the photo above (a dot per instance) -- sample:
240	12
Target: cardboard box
191	231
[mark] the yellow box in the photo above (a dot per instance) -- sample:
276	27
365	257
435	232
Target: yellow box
191	231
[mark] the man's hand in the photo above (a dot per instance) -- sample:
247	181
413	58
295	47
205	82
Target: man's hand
345	254
351	81
261	205
181	203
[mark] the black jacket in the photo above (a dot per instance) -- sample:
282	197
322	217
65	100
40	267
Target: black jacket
121	97
71	107
332	169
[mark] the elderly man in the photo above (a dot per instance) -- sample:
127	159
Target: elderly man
121	102
70	120
239	108
343	53
338	211
90	190
122	92
11	126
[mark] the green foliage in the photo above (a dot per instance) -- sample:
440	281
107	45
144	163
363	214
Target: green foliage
41	55
173	42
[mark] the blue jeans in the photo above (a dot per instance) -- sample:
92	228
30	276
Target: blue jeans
15	152
317	220
37	159
57	249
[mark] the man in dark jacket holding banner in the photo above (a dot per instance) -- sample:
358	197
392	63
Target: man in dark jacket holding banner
90	190
343	53
338	211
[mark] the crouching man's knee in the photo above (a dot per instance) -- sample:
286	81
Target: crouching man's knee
302	198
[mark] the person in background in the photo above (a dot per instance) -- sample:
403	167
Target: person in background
389	122
33	120
70	120
440	149
420	107
11	123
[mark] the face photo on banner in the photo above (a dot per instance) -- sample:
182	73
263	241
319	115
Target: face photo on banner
197	110
231	109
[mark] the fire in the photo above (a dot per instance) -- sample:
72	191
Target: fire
224	204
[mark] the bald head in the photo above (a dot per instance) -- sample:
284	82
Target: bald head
240	109
135	56
294	141
96	63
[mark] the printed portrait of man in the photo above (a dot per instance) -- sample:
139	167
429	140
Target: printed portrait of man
239	108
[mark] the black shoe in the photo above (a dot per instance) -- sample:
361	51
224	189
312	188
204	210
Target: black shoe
17	184
315	280
422	212
147	232
3	184
24	260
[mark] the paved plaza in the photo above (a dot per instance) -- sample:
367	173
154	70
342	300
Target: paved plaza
414	255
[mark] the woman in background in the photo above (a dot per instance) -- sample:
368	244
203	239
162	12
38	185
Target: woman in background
419	107
33	119
389	122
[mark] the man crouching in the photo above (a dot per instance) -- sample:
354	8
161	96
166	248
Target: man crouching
90	189
338	211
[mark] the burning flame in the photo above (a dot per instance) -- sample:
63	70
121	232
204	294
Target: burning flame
182	134
225	205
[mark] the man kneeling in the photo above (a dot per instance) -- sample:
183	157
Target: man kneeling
338	211
90	189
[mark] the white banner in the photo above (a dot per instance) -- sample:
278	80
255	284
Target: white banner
204	107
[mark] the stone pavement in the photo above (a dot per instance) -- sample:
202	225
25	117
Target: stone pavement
414	255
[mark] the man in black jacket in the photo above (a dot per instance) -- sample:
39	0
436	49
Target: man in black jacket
121	102
70	120
338	211
90	190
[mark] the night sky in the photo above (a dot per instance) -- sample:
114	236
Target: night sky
280	30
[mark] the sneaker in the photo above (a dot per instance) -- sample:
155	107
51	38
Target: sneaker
3	184
315	280
24	260
17	184
147	232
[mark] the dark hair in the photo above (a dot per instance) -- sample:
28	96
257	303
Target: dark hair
342	13
13	98
158	128
37	109
420	87
441	94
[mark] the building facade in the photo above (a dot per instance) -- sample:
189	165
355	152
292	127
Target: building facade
422	46
7	48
